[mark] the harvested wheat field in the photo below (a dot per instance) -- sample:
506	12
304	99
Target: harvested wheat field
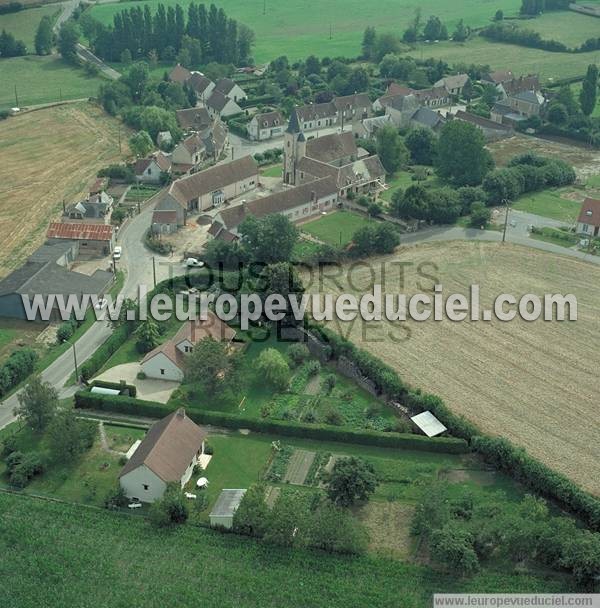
535	383
46	157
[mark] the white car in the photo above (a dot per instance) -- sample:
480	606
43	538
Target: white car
134	505
102	302
194	263
117	252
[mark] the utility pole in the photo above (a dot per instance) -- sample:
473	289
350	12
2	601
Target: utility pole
264	7
75	361
505	201
154	270
16	97
119	126
330	31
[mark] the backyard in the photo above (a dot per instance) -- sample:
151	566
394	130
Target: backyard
23	24
336	228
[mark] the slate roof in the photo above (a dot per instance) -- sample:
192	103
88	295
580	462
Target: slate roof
195	119
168	447
330	148
479	121
427	118
530	97
164	216
316	111
80	231
457	81
199	82
268	120
358	100
217	101
224	85
293	125
523	83
590	212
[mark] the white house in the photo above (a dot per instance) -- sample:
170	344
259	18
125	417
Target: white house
149	170
219	105
588	223
227	504
231	89
167	361
168	453
266	125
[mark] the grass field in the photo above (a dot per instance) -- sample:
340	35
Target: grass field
509	57
336	228
289	28
46	157
43	80
23	24
105	552
272	170
567	27
531	382
549	204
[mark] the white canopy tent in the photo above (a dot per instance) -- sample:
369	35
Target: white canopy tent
429	424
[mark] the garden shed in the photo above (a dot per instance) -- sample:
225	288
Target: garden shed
225	508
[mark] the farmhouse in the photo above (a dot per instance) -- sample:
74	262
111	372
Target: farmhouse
219	105
454	85
588	223
95	209
93	240
150	170
47	272
208	143
353	107
230	89
167	361
168	453
179	74
227	504
491	130
266	125
317	115
202	85
434	97
193	120
297	204
333	155
367	128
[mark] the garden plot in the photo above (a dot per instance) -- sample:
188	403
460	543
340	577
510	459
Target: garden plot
298	467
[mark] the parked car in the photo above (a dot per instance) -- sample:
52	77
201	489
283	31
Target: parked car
118	250
194	263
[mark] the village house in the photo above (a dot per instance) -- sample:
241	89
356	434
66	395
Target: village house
454	85
367	128
334	155
433	97
219	105
206	189
588	222
201	85
297	204
150	170
93	240
231	89
266	125
317	115
47	271
351	108
193	120
167	361
179	74
95	209
497	77
491	130
167	454
199	146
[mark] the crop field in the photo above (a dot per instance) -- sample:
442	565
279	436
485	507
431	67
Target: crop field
105	552
23	24
289	28
567	27
46	157
501	56
336	228
43	80
534	383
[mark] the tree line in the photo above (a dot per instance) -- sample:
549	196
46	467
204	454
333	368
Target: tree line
197	36
536	7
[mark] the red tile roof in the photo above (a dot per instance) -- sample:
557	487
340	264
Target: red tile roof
590	212
80	232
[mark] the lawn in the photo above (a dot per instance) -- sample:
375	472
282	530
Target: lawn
105	552
501	56
23	24
577	90
43	80
79	138
549	203
336	228
568	27
272	170
403	179
289	28
15	334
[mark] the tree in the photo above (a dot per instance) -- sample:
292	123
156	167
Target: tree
461	33
136	78
10	46
566	97
434	29
391	149
148	335
269	239
376	238
368	43
68	39
499	16
287	518
208	365
69	436
281	279
331	528
312	65
141	144
252	515
421	143
557	114
350	479
170	509
44	38
273	369
480	215
462	157
38	403
452	546
589	90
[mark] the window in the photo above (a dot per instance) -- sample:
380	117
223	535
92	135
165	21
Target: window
146	486
162	372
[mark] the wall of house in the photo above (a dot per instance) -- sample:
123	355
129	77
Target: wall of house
230	190
94	249
310	209
152	368
587	230
151	175
134	481
164	228
11	306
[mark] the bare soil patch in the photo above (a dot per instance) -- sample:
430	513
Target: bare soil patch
298	467
535	383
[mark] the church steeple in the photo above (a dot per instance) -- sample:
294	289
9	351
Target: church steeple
294	148
294	124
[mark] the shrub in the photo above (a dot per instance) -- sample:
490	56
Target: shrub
298	353
313	367
329	383
115	498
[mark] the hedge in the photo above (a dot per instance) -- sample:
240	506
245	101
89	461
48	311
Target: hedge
118	386
153	409
104	352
